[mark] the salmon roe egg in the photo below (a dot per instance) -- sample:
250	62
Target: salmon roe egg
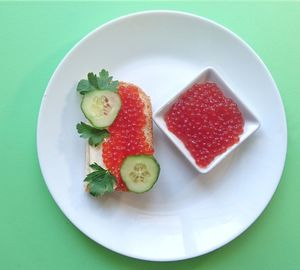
206	121
126	133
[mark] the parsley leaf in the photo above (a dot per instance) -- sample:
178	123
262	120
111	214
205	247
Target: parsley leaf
95	136
93	79
94	82
84	87
105	81
100	181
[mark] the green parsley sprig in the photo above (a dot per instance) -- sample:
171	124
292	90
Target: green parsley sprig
94	82
100	181
95	136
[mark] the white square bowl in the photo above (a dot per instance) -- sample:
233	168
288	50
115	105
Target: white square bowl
251	124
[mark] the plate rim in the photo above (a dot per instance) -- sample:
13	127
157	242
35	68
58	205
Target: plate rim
155	12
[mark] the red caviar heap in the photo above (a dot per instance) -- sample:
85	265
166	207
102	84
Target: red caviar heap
206	121
126	133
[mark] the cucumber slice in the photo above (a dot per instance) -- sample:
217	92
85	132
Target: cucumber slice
101	107
139	173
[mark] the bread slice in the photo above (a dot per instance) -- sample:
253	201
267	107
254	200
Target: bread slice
94	154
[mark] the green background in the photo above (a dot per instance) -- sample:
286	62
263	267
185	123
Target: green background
34	233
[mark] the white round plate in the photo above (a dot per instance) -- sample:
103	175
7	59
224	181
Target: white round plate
186	214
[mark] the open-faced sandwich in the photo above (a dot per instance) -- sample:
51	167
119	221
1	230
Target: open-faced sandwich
119	154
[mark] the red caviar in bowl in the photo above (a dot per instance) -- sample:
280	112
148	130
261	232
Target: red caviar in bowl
206	121
126	133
